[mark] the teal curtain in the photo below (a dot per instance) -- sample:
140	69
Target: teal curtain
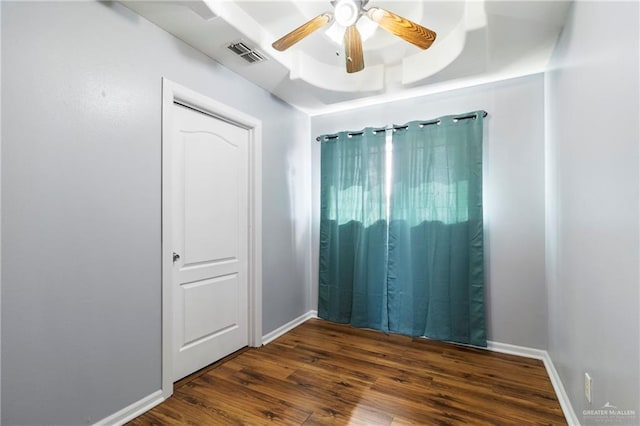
435	258
408	259
353	230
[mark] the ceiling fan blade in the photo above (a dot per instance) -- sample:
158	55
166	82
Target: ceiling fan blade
353	49
301	32
410	31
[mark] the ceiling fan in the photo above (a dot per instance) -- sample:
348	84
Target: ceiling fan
347	13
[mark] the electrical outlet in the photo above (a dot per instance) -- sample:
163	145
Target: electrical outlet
587	387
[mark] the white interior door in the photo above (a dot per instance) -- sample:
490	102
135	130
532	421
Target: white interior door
210	220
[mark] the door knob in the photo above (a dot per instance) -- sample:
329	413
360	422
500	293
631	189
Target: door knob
176	256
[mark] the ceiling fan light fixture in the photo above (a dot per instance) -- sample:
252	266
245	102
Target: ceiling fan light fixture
366	27
376	14
346	12
336	33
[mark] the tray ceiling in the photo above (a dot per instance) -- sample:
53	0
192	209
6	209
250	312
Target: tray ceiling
478	41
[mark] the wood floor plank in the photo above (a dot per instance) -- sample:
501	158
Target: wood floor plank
322	373
486	365
328	404
259	406
301	358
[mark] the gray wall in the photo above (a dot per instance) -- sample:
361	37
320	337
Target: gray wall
81	205
593	215
513	194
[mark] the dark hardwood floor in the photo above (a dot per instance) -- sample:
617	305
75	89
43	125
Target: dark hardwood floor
326	373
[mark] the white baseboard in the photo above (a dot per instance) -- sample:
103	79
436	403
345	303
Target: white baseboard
563	398
133	410
269	337
524	351
542	355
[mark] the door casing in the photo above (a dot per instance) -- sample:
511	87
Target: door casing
175	93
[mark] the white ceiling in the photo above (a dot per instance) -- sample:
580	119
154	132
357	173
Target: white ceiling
478	41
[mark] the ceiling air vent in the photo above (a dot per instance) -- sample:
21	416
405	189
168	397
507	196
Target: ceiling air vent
247	53
253	57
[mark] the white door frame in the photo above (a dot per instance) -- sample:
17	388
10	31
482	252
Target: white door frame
175	93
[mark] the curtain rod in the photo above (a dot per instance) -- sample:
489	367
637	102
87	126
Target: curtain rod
394	128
